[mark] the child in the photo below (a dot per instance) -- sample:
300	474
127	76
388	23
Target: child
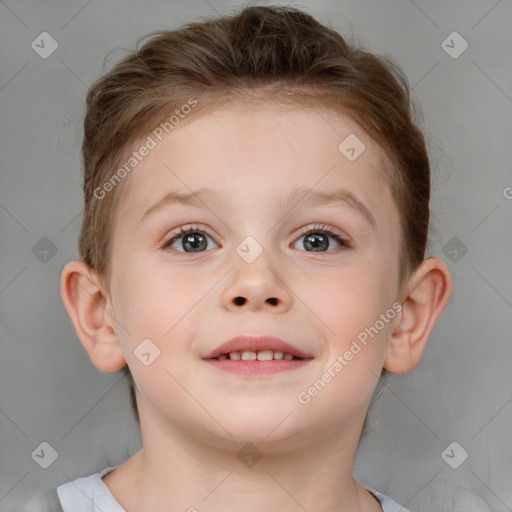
253	254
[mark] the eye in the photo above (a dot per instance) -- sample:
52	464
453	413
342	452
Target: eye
192	240
316	238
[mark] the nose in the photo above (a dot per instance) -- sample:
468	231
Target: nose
257	286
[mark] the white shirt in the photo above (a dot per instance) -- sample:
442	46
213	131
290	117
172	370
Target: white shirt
90	494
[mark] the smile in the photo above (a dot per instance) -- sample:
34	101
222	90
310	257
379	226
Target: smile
260	355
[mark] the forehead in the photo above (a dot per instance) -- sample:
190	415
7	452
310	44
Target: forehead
260	154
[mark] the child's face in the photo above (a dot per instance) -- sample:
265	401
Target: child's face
318	301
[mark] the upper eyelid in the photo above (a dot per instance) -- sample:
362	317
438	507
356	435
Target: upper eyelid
318	226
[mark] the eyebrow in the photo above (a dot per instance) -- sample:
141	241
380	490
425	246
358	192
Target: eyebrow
216	197
301	197
338	197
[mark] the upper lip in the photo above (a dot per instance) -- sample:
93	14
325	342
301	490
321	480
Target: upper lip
255	343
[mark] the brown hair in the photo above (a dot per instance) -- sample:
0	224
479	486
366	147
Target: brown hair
263	53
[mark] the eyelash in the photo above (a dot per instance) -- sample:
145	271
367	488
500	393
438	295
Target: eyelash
344	243
322	228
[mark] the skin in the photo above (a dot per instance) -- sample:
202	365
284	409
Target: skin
195	418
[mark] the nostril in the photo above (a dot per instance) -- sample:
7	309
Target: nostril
240	301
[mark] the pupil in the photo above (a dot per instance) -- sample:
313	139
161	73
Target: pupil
196	245
316	242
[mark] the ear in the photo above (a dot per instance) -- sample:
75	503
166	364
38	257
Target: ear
88	305
429	290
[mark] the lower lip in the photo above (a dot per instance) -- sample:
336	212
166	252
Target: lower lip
255	367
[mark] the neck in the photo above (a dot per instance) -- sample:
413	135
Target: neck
181	473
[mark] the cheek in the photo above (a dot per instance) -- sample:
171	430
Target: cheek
349	310
348	303
150	291
148	304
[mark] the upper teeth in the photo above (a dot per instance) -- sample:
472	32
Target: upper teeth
260	355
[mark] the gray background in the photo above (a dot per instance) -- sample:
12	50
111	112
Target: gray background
462	389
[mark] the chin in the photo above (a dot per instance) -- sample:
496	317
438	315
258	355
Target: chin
261	425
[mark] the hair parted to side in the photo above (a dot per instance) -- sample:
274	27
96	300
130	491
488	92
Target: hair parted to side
263	53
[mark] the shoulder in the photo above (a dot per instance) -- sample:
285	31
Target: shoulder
388	505
88	494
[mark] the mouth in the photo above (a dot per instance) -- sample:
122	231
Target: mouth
256	355
260	355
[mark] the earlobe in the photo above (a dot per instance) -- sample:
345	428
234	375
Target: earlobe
88	307
428	293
